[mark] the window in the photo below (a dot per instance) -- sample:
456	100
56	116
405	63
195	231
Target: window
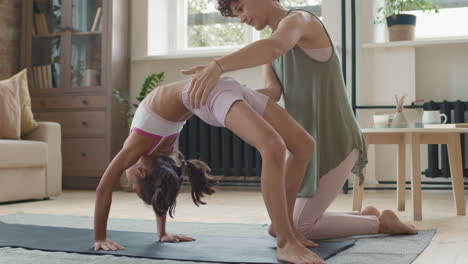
205	27
199	27
313	6
451	20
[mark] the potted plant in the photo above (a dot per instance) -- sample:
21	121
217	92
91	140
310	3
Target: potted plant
400	25
151	82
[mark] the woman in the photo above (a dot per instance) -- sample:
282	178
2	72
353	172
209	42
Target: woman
299	61
156	176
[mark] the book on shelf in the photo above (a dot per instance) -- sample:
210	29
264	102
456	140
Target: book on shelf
99	26
42	80
52	76
453	125
43	76
40	23
33	28
46	76
36	78
97	21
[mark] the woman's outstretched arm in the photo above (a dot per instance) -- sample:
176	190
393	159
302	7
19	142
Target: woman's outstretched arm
285	37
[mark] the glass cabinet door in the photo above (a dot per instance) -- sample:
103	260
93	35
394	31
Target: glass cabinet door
46	28
86	39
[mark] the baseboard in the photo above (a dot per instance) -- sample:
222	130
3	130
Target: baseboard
425	185
254	184
82	183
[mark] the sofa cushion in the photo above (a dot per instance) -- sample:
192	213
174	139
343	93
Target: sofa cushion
10	111
22	154
28	123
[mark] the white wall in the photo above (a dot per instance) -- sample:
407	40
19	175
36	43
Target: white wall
138	29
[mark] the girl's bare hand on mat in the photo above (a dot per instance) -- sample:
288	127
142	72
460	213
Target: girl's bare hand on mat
175	238
106	245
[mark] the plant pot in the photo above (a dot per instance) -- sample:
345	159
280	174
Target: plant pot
401	27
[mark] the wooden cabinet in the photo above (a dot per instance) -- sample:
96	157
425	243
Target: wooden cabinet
76	53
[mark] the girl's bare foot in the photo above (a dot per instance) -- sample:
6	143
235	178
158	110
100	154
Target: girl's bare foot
304	241
370	210
294	252
390	224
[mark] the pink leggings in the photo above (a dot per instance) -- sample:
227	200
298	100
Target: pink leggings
309	212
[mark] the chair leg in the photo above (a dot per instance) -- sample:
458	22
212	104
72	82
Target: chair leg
416	176
358	193
456	171
401	178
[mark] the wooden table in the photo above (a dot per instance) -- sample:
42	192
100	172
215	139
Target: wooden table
415	137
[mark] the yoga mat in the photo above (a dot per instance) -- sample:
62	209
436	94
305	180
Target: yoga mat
145	245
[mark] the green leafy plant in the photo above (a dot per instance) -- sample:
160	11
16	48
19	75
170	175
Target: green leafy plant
151	82
397	7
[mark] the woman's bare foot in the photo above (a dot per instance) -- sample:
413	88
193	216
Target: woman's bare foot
304	241
390	224
294	252
370	210
271	232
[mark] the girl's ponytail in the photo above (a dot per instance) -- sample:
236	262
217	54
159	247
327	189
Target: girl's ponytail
200	178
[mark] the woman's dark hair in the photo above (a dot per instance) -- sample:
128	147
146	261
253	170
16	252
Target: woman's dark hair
224	6
161	187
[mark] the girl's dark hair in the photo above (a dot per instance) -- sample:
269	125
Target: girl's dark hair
161	187
224	6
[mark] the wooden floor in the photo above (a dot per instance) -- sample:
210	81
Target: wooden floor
450	244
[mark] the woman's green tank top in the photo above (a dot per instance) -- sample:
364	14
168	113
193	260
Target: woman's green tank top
315	95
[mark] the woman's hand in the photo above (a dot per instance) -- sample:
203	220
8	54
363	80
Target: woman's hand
175	238
203	82
106	245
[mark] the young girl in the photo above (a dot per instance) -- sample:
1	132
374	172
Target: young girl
156	176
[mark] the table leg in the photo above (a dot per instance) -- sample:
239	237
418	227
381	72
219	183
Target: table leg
358	193
456	171
401	177
416	176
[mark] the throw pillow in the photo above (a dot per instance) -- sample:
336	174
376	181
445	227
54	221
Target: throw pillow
10	111
28	124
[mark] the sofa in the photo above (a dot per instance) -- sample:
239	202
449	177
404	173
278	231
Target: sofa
31	168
